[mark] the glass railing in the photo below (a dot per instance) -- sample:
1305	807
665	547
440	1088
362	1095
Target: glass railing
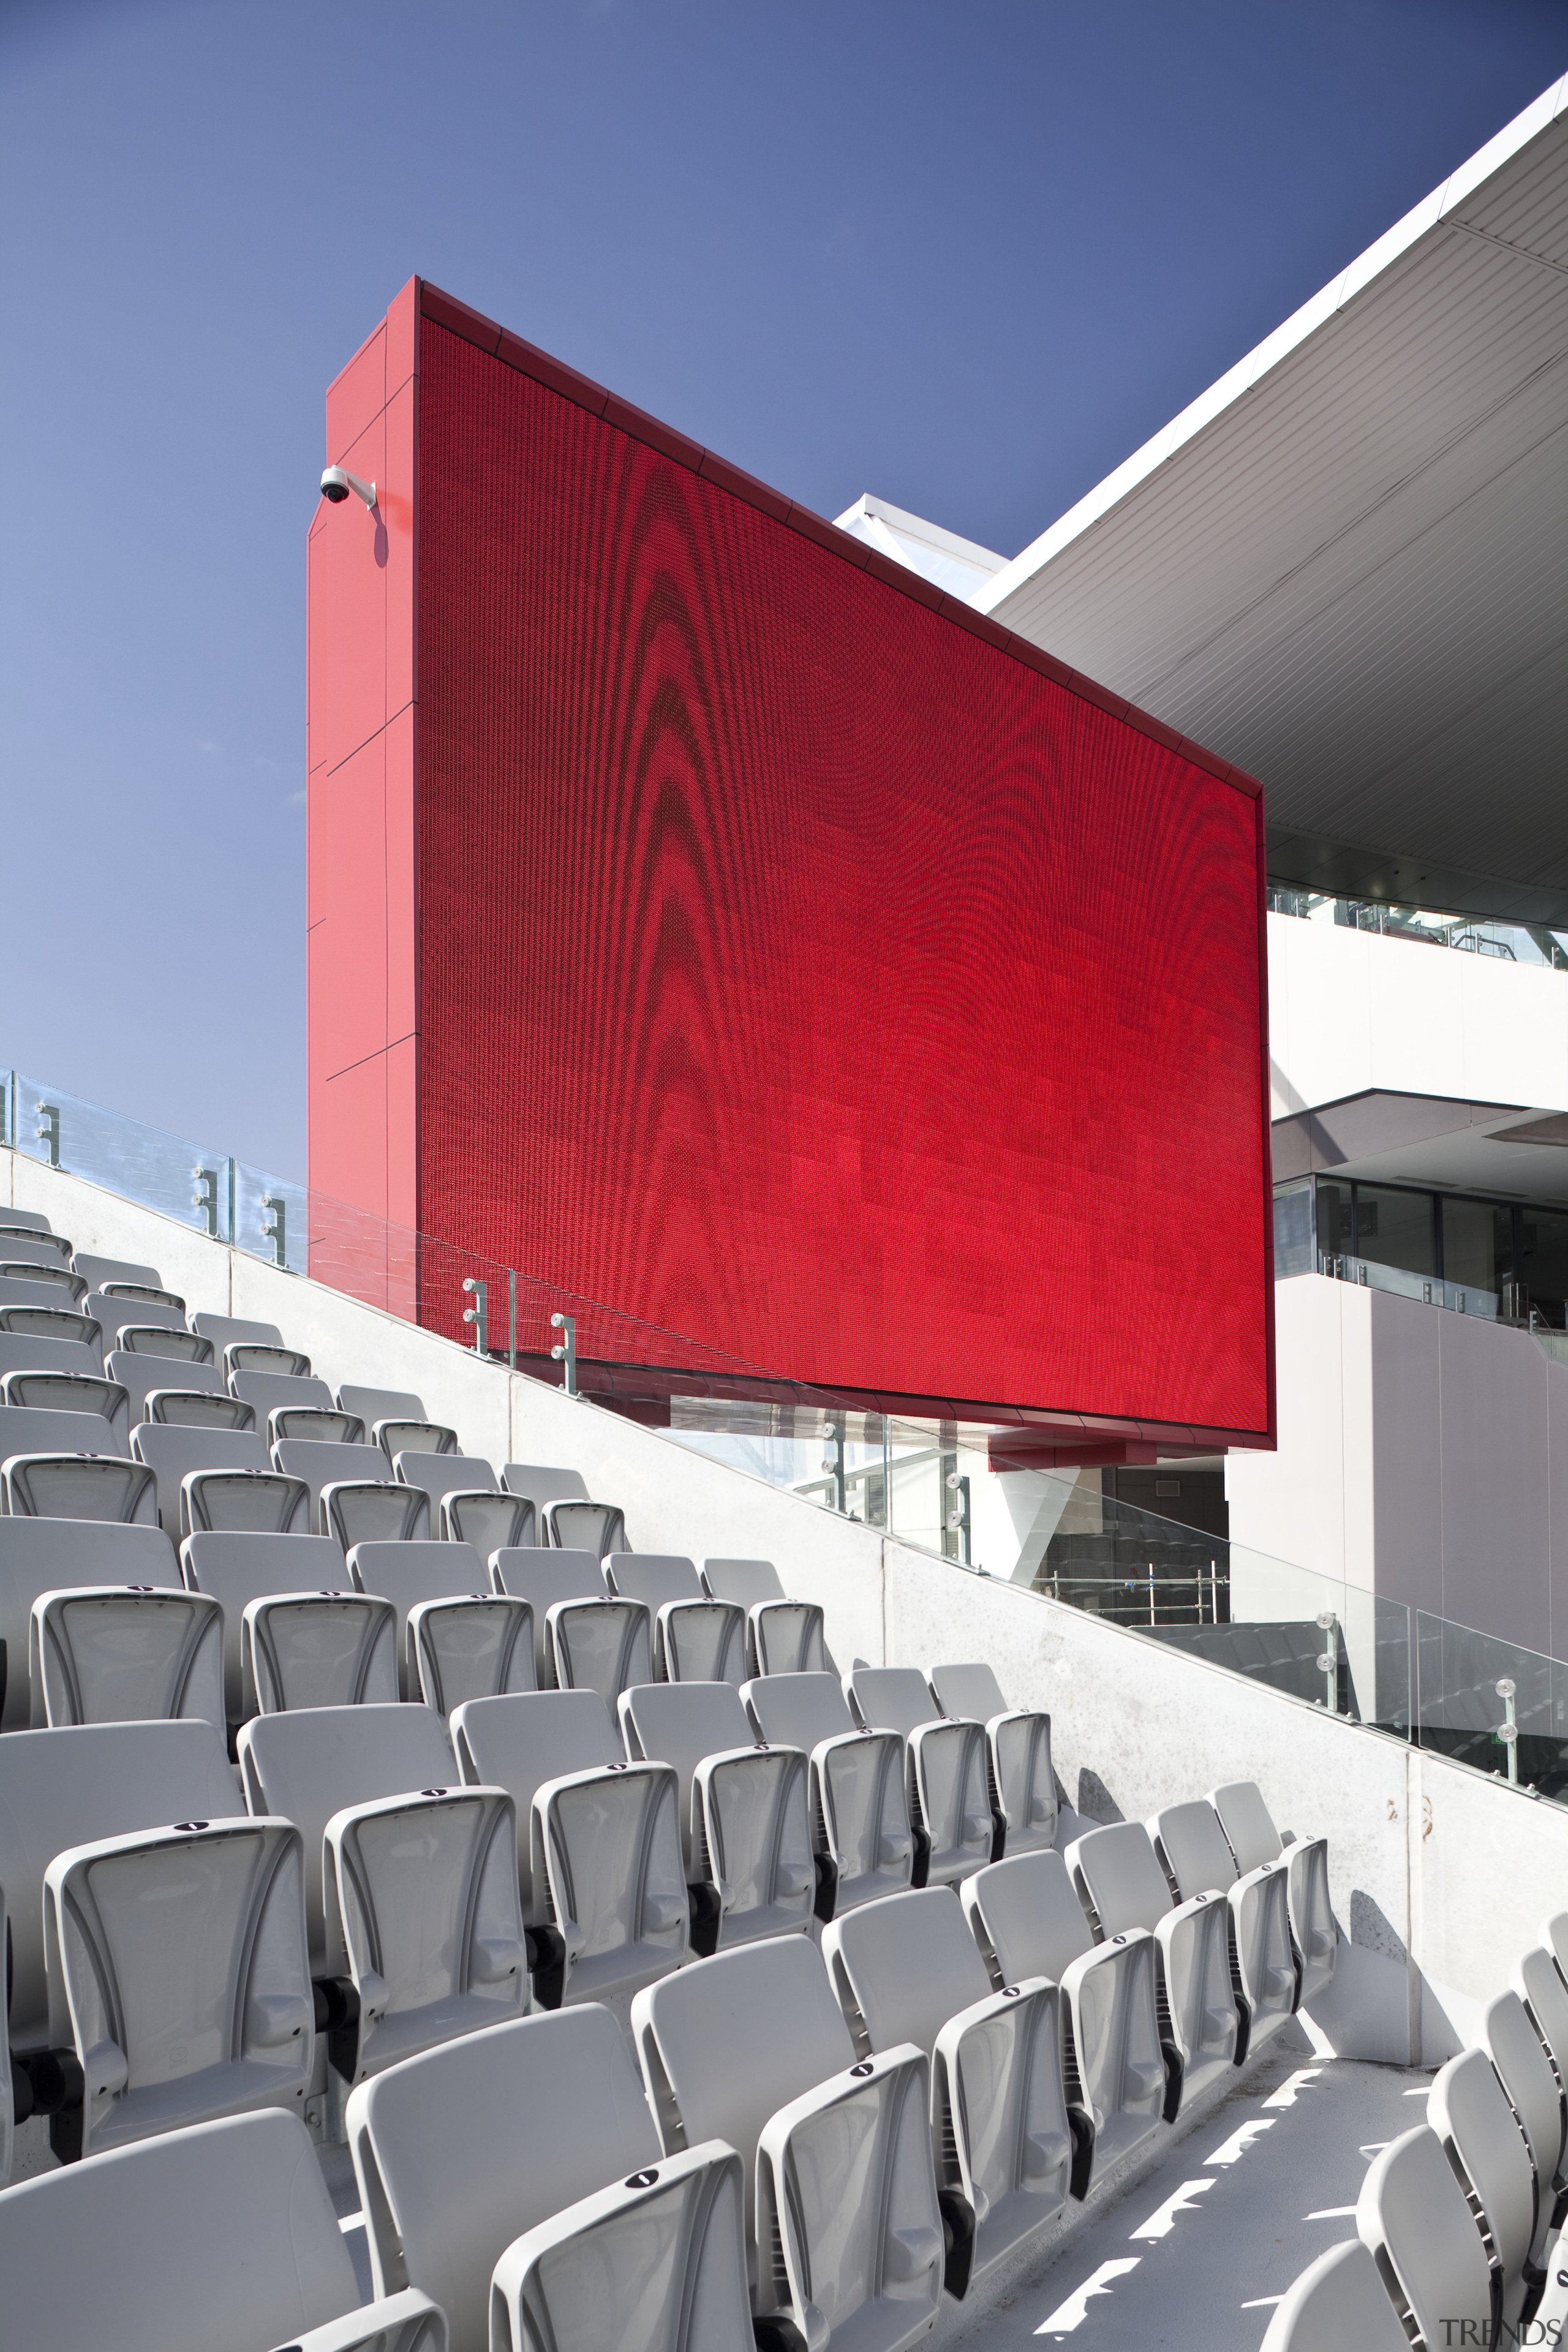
1528	943
928	1481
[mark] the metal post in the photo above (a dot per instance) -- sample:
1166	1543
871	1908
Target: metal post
833	1464
958	1514
887	1479
511	1319
48	1130
564	1352
1150	1592
276	1233
1507	1731
1328	1662
476	1314
205	1199
233	1195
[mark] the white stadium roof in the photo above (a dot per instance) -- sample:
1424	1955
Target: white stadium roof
1342	567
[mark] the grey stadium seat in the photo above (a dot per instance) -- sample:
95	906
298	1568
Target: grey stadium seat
139	1375
1469	2112
323	1462
310	1649
97	1271
41	1287
860	1792
47	1555
220	2234
196	1408
750	2048
1254	1839
457	1640
233	1330
1018	1750
1534	1978
264	1499
504	1743
583	1640
535	1573
238	1566
1198	1861
372	1510
1119	1882
1412	2218
398	1433
696	1639
599	1528
116	1314
173	1452
307	1767
53	1346
1338	2302
20	1247
488	1522
140	1337
579	2237
107	1653
438	1474
85	1393
1027	1922
68	1789
949	1772
177	1969
906	1969
543	1482
54	1429
783	1636
79	1486
313	1425
1512	2045
745	1828
265	1392
371	1405
27	1221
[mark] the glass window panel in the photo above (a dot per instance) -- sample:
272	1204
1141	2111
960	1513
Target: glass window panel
1394	1228
1543	1268
1334	1219
1293	1230
1477	1244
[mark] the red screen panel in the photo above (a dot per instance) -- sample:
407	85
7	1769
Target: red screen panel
801	973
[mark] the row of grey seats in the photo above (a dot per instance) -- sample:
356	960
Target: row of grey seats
1458	2224
819	2144
113	1626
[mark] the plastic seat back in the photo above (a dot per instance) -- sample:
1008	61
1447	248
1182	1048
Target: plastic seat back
1412	2218
371	1405
743	1811
603	1645
598	1527
606	1848
406	1574
309	1766
1193	1849
543	1482
970	1692
1198	1860
477	1645
316	1649
328	1462
99	1271
53	1426
267	1391
906	1970
845	2231
41	1287
750	1583
520	1742
1337	2302
72	1350
28	1221
486	1521
80	1393
1118	1877
235	2211
1248	1823
48	1555
798	1710
313	1425
1540	1988
412	1434
49	1318
184	1408
857	1787
103	1654
542	1576
178	1973
439	1474
1119	1881
264	1502
1026	1918
1469	2112
890	1699
238	1566
233	1330
452	2166
173	1454
783	1636
27	1246
80	1486
421	1893
150	1323
1018	1751
695	1638
373	1510
1515	2050
72	1788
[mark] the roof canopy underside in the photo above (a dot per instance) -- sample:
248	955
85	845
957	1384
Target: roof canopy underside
1342	568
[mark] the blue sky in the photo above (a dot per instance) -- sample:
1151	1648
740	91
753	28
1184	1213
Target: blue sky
965	255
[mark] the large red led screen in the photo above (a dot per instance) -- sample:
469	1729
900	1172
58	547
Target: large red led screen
799	971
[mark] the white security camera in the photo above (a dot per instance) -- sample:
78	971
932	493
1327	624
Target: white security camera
336	484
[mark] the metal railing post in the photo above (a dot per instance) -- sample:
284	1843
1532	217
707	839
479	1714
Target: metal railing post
833	1464
564	1352
48	1130
477	1313
958	1514
276	1233
205	1199
1508	1730
511	1319
1328	1662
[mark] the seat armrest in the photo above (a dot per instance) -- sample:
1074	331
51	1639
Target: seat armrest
409	2322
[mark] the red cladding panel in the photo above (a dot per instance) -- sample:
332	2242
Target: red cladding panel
802	973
